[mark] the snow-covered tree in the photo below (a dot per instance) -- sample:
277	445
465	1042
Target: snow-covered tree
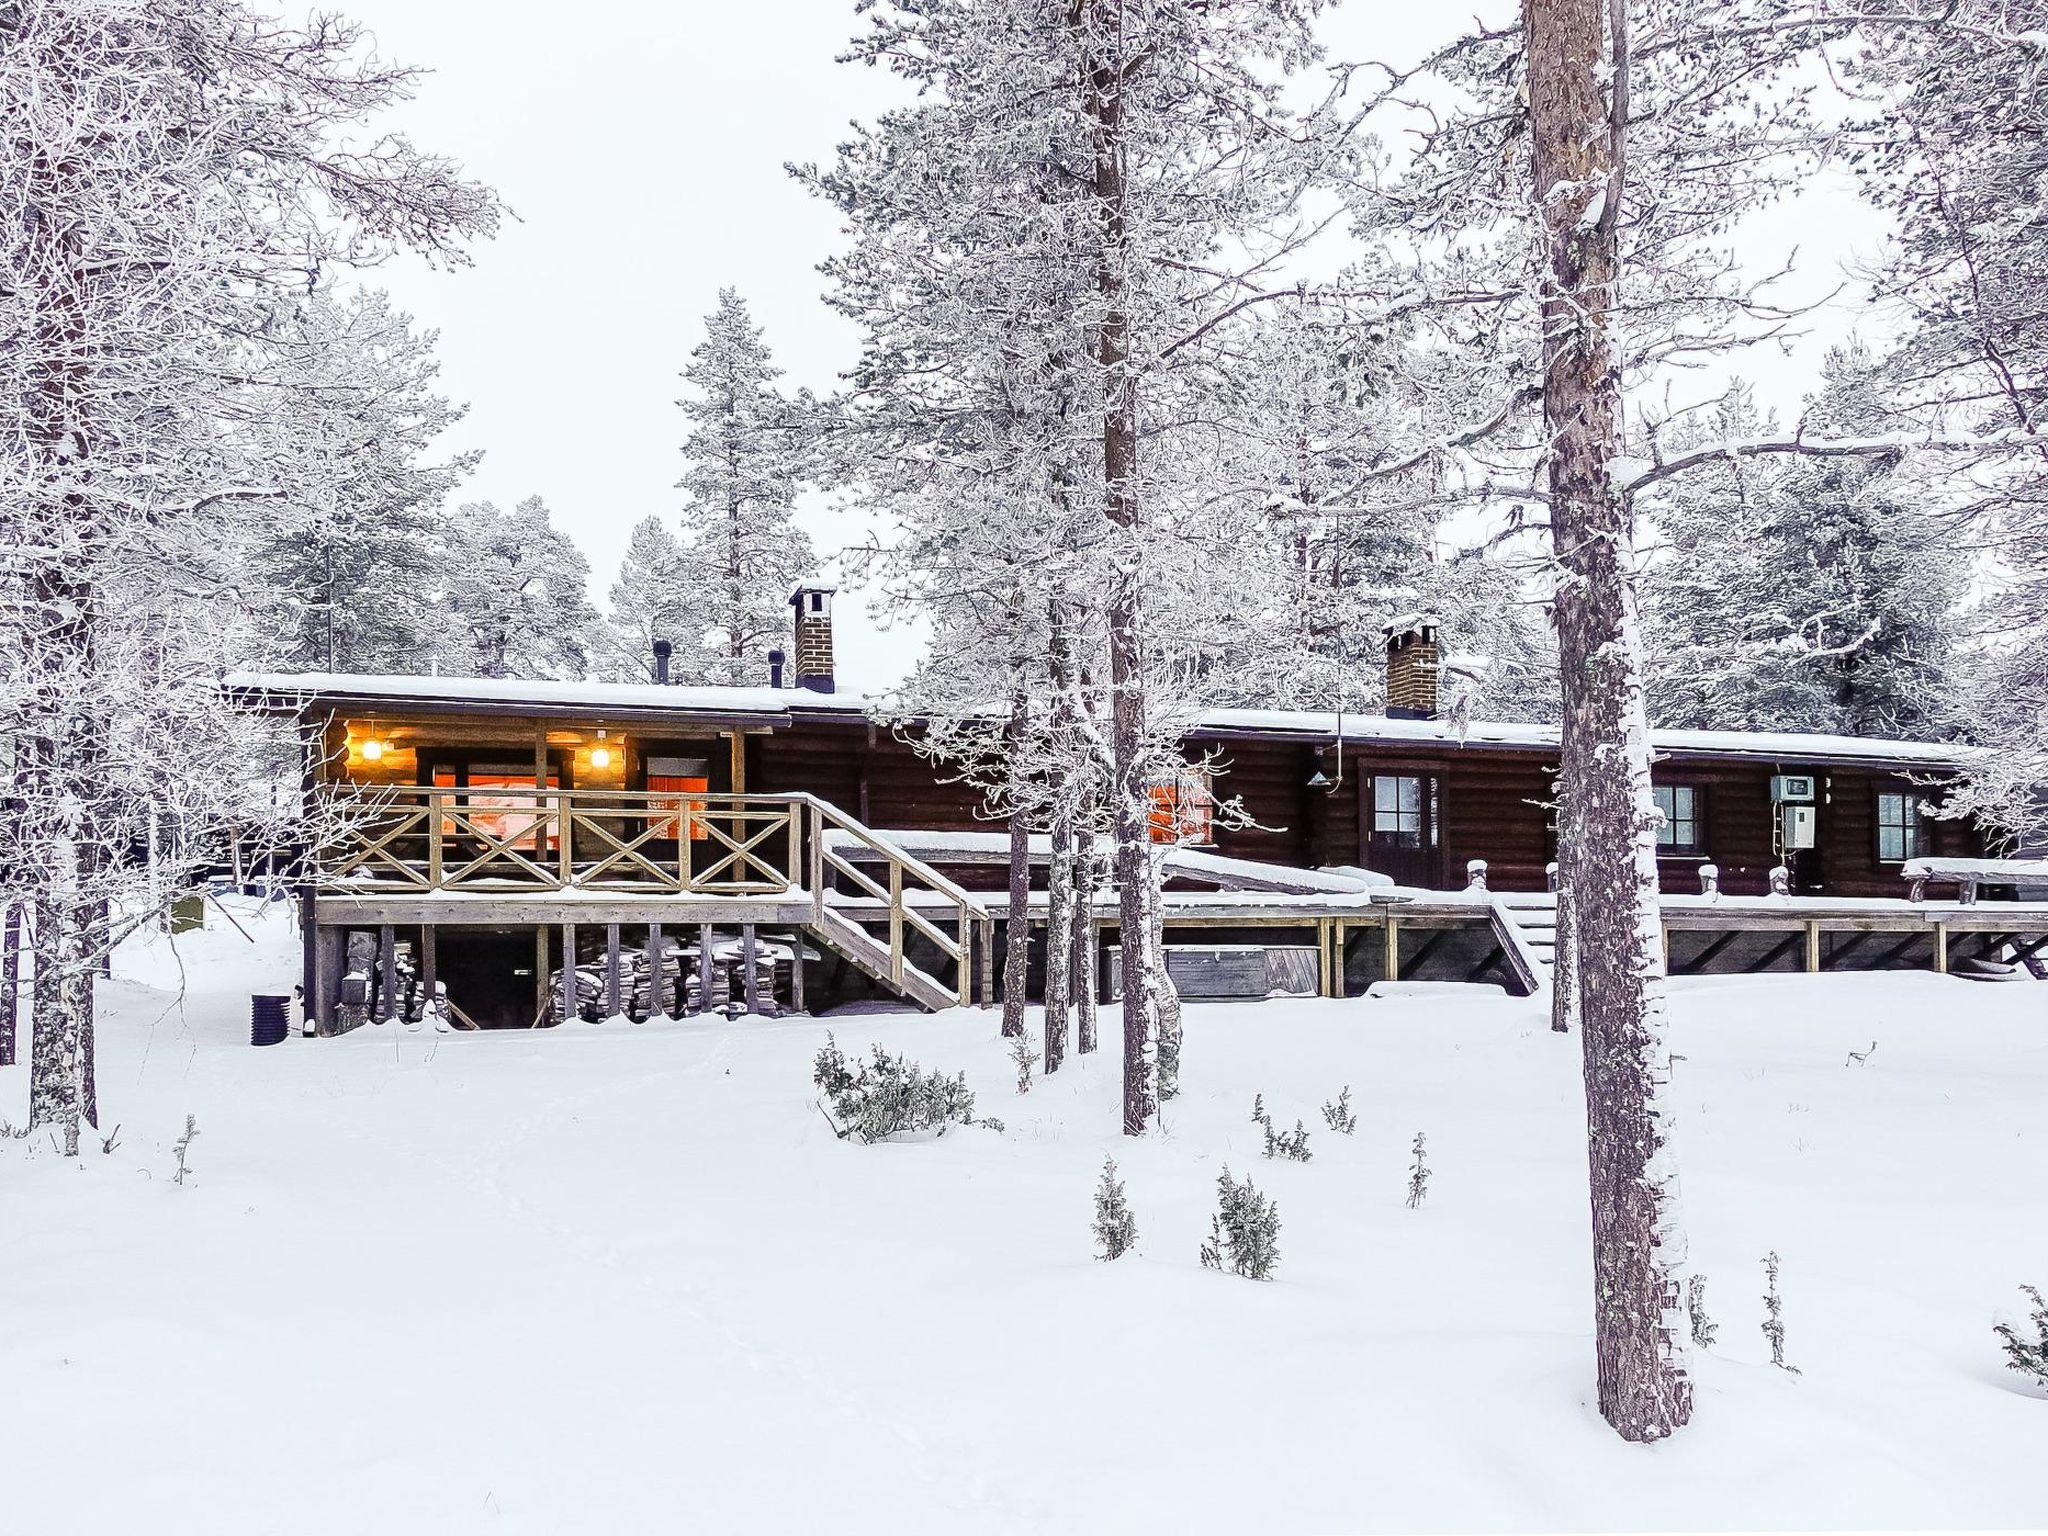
172	168
1955	144
748	445
652	599
517	594
354	543
1802	594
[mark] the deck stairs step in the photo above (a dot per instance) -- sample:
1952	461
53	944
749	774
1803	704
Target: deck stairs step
1525	923
871	956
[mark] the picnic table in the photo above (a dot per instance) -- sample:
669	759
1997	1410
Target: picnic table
1968	874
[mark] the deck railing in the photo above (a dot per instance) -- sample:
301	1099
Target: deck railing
511	841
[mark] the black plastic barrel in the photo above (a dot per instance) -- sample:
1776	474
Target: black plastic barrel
269	1019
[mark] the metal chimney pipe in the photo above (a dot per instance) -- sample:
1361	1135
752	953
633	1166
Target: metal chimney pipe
776	662
662	651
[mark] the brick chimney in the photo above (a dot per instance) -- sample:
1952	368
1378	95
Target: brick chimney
813	605
1412	667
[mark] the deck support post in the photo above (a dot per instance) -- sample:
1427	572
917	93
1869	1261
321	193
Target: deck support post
429	974
1339	944
1812	945
568	973
387	975
1941	949
704	967
612	1007
657	1000
750	957
327	948
796	973
540	975
984	962
1393	947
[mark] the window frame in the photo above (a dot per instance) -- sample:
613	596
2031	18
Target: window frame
1696	819
1917	835
1181	808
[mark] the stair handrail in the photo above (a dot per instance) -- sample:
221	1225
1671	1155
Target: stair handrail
910	863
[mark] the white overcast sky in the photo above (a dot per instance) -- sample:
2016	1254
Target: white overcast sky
642	146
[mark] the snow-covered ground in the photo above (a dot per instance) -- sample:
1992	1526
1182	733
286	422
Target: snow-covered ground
619	1279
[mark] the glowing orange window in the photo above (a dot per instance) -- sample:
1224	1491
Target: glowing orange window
677	786
1183	808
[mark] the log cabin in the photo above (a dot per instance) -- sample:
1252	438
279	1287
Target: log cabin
520	852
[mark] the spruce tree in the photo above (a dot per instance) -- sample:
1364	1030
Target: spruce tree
747	448
350	551
651	600
1802	594
516	595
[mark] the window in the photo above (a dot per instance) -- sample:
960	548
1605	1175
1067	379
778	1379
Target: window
1901	834
1680	805
500	803
678	785
1183	808
1399	804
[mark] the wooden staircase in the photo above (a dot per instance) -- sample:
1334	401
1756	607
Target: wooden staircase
1525	924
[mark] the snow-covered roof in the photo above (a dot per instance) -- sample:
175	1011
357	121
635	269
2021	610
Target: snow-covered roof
395	690
1775	746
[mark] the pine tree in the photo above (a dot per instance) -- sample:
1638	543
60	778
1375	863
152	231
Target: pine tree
652	599
1116	1227
1802	594
747	447
517	592
173	171
1244	1234
356	545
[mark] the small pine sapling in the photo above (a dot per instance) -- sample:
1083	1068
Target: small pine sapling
1774	1315
1338	1116
1292	1145
2027	1356
1116	1228
1025	1057
887	1095
1418	1176
1244	1234
183	1145
1703	1327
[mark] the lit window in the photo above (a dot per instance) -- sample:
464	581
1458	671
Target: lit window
1183	808
1901	834
1680	805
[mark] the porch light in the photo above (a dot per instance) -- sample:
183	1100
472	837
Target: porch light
601	756
373	750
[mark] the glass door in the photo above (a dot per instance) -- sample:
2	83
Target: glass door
1398	817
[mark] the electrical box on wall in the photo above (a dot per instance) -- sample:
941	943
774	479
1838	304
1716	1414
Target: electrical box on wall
1800	822
1792	789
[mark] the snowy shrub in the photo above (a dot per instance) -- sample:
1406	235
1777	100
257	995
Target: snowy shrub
183	1145
1025	1057
1338	1116
1244	1234
888	1095
2027	1356
1703	1327
1418	1175
1774	1315
1116	1228
1292	1145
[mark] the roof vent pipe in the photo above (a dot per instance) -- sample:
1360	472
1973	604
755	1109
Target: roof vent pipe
662	651
776	662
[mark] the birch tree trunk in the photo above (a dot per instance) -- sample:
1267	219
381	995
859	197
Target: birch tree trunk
1607	830
1017	927
1059	885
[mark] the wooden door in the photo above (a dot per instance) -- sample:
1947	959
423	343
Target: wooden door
1398	816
